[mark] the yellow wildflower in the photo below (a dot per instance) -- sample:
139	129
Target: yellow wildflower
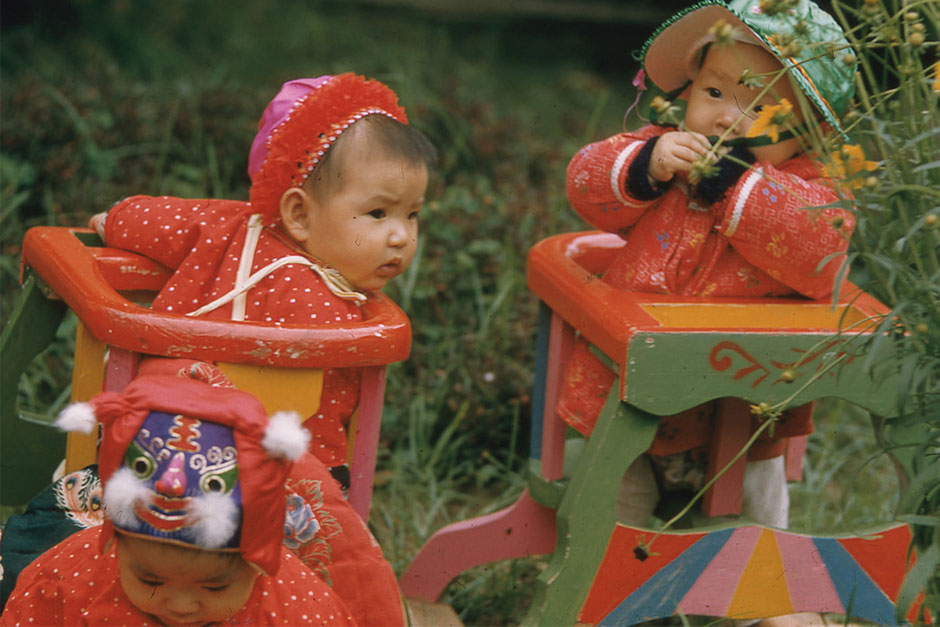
667	112
660	104
936	78
723	32
849	161
770	120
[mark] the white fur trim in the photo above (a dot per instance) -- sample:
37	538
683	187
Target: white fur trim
213	520
741	200
618	167
122	493
77	417
284	437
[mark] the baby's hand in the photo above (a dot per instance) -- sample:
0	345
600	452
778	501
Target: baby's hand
675	152
96	222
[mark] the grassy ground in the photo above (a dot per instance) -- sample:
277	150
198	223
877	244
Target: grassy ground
103	99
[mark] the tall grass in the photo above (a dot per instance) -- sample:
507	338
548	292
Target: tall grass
121	98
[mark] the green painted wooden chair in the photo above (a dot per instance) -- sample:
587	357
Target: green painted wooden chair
670	354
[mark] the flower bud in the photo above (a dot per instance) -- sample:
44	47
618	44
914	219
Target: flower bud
931	220
916	38
660	105
723	32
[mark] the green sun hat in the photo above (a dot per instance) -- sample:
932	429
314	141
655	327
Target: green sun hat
807	41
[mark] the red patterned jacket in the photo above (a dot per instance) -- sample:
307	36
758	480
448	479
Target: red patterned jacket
202	240
757	239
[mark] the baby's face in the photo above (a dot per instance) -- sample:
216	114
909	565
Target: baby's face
717	101
366	227
183	586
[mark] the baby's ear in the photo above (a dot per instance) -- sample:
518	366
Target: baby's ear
295	208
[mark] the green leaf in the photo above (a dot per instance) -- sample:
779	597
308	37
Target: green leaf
916	581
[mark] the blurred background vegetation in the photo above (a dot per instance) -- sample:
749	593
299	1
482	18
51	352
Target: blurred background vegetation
102	99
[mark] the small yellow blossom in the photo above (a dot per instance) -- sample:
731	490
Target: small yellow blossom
936	78
849	161
770	120
702	168
750	80
723	32
667	112
660	104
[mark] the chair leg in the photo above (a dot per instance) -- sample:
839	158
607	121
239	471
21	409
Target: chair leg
586	516
732	429
524	528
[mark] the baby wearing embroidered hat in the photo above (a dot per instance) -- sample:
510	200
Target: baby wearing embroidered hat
338	180
195	508
742	230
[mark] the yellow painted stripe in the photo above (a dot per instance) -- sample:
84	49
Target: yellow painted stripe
762	590
812	84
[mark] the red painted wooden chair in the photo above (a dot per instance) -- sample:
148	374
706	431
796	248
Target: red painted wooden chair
733	349
281	365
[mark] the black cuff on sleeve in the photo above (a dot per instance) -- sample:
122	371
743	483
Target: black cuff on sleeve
712	188
638	182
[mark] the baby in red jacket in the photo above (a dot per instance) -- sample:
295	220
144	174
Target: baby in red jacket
338	180
732	221
194	500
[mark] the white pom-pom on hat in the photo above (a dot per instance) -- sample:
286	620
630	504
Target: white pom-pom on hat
77	417
122	493
213	520
284	437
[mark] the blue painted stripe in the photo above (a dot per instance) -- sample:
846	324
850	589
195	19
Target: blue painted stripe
663	592
538	384
861	597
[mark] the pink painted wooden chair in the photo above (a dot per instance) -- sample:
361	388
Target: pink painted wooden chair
734	349
281	365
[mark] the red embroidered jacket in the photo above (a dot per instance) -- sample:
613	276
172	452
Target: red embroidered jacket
758	239
202	241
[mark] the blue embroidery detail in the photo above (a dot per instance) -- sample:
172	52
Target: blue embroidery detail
663	238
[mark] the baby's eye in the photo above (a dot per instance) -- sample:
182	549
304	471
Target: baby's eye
216	588
758	108
413	215
153	583
377	213
714	92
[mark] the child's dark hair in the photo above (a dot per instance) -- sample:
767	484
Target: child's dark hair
388	136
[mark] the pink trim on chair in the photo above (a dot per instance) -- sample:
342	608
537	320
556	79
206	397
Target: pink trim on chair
560	343
366	442
522	529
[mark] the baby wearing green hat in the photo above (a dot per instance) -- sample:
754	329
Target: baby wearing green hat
718	205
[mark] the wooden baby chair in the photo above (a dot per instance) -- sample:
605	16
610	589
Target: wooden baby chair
672	353
281	365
